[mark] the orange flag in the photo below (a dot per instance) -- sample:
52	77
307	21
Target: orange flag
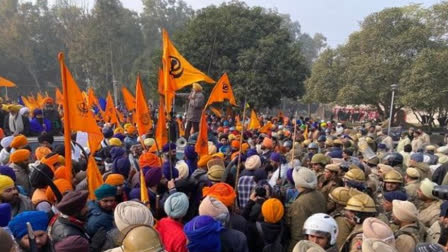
305	133
167	91
142	112
201	146
77	115
40	99
265	129
216	111
28	104
222	91
144	197
6	83
94	178
237	120
254	122
92	98
180	125
110	114
161	131
177	66
129	99
59	97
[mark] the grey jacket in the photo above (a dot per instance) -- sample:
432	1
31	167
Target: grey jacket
195	107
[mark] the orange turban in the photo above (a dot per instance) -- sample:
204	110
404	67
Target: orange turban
131	130
19	156
267	142
51	161
222	192
61	173
41	152
19	141
245	147
149	159
204	160
272	210
63	186
114	179
235	144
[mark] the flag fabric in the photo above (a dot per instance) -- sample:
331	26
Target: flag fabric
201	146
254	122
237	120
216	111
161	131
177	66
222	91
33	100
129	99
6	83
59	97
143	117
266	128
93	176
40	99
305	133
110	114
92	100
180	125
28	104
77	115
144	197
167	91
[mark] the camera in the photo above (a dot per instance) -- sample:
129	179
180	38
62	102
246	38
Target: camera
441	192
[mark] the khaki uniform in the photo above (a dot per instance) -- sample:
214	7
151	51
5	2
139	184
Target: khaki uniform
429	212
327	186
353	243
344	228
407	237
411	190
433	233
306	204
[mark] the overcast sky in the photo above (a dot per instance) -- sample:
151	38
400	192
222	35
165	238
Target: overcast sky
335	19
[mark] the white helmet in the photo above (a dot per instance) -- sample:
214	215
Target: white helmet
322	224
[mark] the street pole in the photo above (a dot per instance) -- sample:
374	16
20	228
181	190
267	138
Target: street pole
393	86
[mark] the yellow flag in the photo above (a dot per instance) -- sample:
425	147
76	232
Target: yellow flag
129	99
254	122
110	114
6	83
142	112
201	146
222	91
177	66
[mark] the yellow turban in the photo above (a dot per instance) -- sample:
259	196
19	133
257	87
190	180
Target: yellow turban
5	183
115	142
197	87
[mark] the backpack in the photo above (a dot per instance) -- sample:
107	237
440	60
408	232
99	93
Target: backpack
276	246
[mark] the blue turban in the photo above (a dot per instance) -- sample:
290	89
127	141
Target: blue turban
203	234
5	214
191	159
289	175
8	171
121	166
395	195
275	157
107	132
153	176
37	112
417	157
251	152
37	219
167	173
168	146
381	146
119	136
117	152
176	205
104	191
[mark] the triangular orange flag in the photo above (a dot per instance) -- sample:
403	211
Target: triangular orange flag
222	91
237	120
40	99
94	178
129	99
144	197
143	116
201	146
177	66
110	113
6	83
59	97
161	131
254	122
77	115
28	104
167	91
266	128
93	101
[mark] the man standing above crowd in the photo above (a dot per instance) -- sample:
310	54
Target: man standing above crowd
196	102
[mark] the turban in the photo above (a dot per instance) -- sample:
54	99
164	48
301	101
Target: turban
149	142
426	187
132	213
115	142
203	234
5	183
19	156
275	157
8	171
119	130
169	172
417	157
19	141
253	162
267	142
215	173
251	152
117	152
376	229
235	144
72	243
373	245
105	191
37	219
272	210
214	208
182	168
149	159
107	132
135	194
73	202
221	191
50	160
190	152
63	186
5	214
119	136
41	152
24	110
395	195
6	141
212	148
305	178
114	179
153	176
61	173
121	166
131	130
169	146
197	87
14	108
404	211
204	160
412	173
307	246
176	205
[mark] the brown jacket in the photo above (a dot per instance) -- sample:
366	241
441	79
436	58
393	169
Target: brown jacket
411	189
195	106
429	212
407	237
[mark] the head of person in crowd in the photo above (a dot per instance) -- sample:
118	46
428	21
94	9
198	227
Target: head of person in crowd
318	162
338	198
20	158
389	197
393	181
176	205
203	234
39	223
141	237
74	204
321	229
221	191
412	174
331	171
130	213
214	208
376	229
424	192
304	179
8	191
106	197
355	178
307	246
116	180
359	207
404	213
272	211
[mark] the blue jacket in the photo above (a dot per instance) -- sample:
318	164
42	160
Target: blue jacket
98	218
36	127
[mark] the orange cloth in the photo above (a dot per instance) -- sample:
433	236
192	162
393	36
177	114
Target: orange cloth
51	161
201	146
38	196
114	179
131	130
149	159
63	186
267	142
19	141
272	210
41	152
222	91
19	156
204	160
222	192
235	144
2	133
61	173
143	116
245	147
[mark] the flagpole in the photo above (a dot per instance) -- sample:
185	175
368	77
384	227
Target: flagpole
67	131
293	141
241	144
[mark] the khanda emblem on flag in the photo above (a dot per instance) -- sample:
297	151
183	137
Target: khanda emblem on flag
225	88
145	119
83	108
176	69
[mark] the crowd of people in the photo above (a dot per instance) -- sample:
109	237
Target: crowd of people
294	184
